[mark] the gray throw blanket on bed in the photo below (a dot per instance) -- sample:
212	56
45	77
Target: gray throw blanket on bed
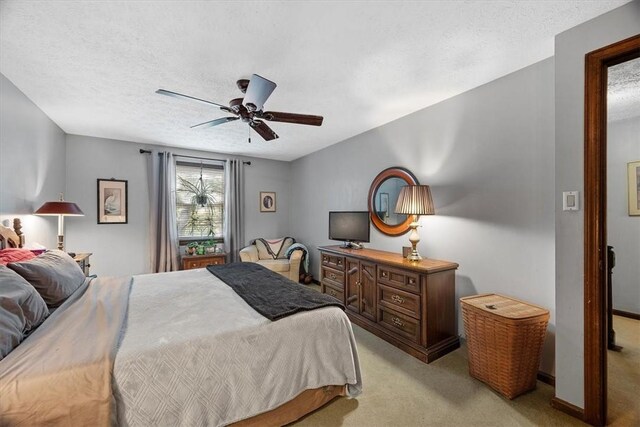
269	293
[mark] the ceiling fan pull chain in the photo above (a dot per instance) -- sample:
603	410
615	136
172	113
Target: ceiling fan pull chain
249	139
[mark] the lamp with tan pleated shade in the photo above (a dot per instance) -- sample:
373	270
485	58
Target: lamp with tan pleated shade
61	208
415	200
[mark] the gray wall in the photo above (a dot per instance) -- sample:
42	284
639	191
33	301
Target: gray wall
267	175
118	249
121	249
488	155
623	231
32	165
570	49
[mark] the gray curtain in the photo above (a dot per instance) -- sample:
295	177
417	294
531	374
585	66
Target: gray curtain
163	231
233	228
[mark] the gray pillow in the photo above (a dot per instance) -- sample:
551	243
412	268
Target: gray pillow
54	274
21	309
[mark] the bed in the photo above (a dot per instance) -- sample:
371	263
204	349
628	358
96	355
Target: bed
11	238
178	348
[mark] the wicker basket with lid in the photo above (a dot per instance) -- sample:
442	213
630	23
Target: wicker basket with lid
504	340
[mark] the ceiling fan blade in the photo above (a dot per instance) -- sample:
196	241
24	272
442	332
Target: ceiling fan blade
300	119
215	122
263	130
179	95
258	91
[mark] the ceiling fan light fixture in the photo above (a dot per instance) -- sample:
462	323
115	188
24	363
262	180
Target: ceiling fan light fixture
242	85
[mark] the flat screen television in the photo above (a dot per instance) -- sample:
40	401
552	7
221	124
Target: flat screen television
349	227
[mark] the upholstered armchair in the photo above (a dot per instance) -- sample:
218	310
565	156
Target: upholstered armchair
272	255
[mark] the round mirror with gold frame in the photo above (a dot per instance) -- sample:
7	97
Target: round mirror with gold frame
383	196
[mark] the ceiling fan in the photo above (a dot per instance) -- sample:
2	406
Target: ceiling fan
250	108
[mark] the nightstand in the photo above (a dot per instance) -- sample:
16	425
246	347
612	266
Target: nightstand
200	261
83	262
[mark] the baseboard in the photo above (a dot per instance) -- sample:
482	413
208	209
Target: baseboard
628	314
567	408
547	378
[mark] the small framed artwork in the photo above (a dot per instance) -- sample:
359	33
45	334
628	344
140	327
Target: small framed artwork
267	201
633	171
112	201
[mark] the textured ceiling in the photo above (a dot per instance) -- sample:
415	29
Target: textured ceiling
93	66
623	92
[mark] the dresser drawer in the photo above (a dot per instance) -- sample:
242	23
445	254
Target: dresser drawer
401	324
401	301
188	265
399	278
333	261
336	293
201	261
333	277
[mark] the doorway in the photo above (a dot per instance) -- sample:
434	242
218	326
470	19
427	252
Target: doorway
623	240
595	227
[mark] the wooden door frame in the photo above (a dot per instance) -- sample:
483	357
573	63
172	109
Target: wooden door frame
595	223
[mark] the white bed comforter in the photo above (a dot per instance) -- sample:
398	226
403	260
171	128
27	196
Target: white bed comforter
195	354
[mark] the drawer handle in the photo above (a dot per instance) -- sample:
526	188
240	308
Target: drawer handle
333	293
339	261
358	283
412	281
384	274
325	259
332	276
397	298
397	321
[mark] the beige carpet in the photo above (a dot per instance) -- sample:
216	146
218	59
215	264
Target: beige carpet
399	390
624	374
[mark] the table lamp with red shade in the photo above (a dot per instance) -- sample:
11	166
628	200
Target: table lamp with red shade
61	208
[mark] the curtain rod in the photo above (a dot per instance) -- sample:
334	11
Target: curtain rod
195	157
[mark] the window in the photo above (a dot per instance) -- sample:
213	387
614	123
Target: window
199	202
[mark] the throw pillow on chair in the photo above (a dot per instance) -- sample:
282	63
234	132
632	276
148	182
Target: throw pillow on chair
274	248
272	254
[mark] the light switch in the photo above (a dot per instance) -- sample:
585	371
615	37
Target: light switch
570	200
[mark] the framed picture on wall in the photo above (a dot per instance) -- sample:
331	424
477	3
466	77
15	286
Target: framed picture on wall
633	170
267	201
112	201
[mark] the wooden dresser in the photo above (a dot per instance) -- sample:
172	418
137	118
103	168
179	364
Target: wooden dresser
412	305
201	261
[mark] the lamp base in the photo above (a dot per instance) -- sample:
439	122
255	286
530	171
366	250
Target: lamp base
61	242
414	256
414	238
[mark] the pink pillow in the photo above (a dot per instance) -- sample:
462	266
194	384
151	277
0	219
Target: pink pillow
15	255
